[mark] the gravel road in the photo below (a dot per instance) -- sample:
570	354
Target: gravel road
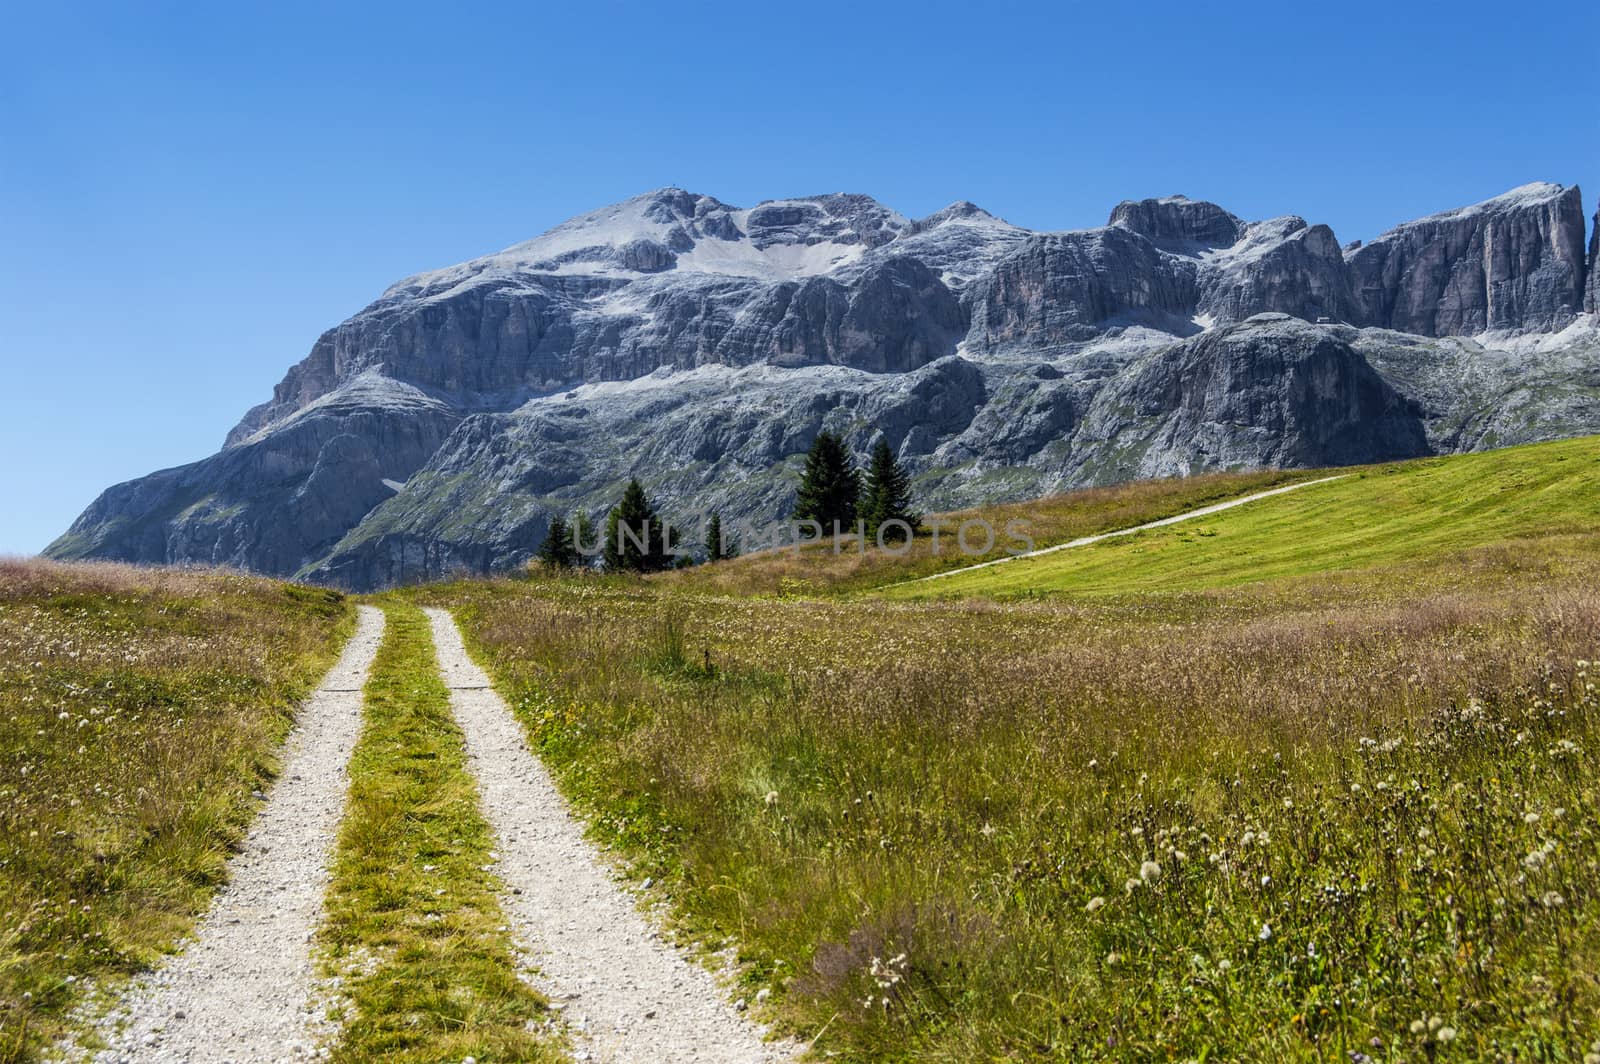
244	989
627	995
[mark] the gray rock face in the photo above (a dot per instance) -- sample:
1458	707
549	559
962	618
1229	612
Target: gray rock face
702	347
1513	262
1280	266
1179	222
277	502
1070	287
1270	392
1592	304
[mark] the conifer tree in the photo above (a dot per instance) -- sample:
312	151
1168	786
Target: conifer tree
637	540
829	486
557	551
887	496
719	547
584	539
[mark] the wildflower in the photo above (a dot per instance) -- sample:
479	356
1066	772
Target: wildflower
1149	872
1417	1027
1446	1034
1113	958
772	798
1249	838
1094	763
1130	886
1265	932
1552	900
1534	861
1530	818
1094	904
1224	965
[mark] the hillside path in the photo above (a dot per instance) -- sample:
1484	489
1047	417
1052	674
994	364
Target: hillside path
244	989
1084	541
628	996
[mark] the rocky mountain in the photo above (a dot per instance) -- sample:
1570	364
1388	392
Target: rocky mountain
1514	262
702	346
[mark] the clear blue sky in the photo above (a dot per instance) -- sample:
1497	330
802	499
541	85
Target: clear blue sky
190	194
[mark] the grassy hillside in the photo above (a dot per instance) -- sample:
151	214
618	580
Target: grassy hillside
1374	516
819	569
1308	779
138	711
1292	820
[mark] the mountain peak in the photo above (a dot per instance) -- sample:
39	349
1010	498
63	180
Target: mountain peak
1178	220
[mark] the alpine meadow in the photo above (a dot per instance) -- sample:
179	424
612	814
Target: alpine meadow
775	609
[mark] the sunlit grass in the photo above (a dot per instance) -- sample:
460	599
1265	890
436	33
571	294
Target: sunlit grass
1379	515
1332	815
830	567
414	929
139	709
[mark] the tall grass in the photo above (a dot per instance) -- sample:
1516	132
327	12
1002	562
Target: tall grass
1312	819
139	710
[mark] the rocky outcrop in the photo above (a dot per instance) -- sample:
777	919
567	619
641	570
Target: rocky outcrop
1270	392
1280	266
1514	262
1178	222
702	347
272	504
1070	287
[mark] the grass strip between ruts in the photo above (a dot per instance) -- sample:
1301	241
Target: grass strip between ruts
414	929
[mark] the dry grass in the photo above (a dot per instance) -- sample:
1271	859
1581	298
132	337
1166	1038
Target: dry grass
826	568
139	708
1315	811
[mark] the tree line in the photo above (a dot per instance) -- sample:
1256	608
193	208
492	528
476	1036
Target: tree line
835	498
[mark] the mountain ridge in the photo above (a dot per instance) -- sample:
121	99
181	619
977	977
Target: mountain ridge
706	344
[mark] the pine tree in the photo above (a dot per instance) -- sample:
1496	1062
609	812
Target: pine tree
887	496
557	550
829	486
637	540
584	538
718	546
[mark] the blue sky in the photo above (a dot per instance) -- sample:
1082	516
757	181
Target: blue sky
189	195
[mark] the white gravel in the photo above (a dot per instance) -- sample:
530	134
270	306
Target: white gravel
627	996
245	989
